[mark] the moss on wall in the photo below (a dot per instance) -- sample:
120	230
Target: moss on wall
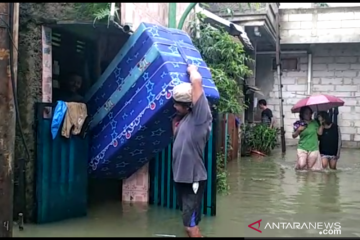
32	17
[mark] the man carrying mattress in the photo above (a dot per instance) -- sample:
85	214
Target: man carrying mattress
191	130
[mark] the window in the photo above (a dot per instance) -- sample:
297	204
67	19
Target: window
80	47
287	64
56	39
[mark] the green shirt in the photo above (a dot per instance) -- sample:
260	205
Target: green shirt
308	137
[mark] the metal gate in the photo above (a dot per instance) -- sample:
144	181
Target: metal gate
162	190
61	171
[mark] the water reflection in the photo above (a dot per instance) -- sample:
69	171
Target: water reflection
260	188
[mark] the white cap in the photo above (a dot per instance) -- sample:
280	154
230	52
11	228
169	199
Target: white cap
183	92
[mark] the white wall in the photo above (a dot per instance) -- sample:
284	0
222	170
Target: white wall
294	5
156	13
320	25
309	5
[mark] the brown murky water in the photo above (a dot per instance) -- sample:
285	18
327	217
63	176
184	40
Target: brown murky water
266	189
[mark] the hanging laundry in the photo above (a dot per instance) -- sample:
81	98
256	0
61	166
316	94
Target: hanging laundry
59	114
74	119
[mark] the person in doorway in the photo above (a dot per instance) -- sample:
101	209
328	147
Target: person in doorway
330	141
266	113
308	156
73	84
191	130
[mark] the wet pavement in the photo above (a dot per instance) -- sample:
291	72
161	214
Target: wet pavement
260	188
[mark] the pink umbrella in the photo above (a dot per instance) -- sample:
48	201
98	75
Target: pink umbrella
318	103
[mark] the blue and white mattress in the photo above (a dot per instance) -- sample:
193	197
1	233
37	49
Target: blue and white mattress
131	104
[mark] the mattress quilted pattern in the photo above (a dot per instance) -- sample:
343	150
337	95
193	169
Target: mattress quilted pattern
131	107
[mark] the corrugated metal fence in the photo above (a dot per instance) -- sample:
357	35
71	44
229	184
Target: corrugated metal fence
162	191
61	172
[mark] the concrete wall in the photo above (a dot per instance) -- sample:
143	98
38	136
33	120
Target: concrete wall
309	5
295	5
152	13
264	79
336	71
320	25
136	187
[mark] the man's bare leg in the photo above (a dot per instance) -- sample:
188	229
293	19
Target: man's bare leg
191	207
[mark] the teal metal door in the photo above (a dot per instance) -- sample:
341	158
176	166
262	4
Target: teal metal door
61	172
162	190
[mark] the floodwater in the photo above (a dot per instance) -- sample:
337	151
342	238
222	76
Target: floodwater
268	189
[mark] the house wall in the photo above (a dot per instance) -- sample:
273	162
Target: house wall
336	71
29	84
320	25
136	187
156	13
30	89
309	5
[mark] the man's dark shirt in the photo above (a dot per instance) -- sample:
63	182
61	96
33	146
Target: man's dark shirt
266	116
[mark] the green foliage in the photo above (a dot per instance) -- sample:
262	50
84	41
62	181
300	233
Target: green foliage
321	5
258	137
246	136
95	11
229	144
221	175
230	11
230	8
227	61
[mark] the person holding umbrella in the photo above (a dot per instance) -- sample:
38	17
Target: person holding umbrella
329	141
307	129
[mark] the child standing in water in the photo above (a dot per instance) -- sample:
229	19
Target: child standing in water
330	141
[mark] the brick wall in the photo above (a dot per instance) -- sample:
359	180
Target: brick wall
336	71
320	25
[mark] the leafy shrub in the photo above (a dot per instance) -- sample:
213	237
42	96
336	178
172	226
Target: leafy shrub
258	137
227	61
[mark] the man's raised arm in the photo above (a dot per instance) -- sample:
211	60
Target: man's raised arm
200	105
196	82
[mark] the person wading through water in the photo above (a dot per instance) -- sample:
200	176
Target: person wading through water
329	141
308	155
191	128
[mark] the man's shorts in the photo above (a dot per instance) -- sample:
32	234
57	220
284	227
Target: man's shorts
190	203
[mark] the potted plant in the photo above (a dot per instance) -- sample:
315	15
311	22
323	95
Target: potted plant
263	139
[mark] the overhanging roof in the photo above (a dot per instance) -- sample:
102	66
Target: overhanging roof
253	89
232	28
90	30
